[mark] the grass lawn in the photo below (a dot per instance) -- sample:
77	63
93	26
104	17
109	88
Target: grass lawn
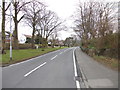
110	62
24	54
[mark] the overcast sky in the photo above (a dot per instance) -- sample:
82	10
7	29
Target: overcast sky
64	9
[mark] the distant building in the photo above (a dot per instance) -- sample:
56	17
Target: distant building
28	36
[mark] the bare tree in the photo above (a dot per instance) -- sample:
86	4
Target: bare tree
48	24
105	19
68	41
32	12
94	20
17	5
54	39
4	9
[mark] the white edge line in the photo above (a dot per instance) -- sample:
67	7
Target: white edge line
24	61
77	84
75	70
34	69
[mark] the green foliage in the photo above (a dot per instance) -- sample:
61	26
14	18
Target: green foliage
106	42
28	40
106	46
23	54
21	46
25	46
38	40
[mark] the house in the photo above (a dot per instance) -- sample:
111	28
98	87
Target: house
28	36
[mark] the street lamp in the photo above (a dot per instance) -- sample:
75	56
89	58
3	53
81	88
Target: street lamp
10	30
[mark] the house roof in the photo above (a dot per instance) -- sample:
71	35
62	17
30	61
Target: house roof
28	36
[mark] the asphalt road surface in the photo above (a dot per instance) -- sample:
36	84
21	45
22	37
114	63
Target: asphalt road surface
52	70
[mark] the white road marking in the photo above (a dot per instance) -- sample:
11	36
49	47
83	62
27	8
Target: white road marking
77	84
74	64
54	57
25	61
32	59
34	69
66	49
75	70
61	52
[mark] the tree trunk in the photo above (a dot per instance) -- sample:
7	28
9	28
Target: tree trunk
16	37
46	42
16	28
3	28
33	35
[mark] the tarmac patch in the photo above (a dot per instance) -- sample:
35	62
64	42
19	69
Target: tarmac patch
97	83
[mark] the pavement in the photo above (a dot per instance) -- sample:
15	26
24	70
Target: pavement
51	70
0	78
94	74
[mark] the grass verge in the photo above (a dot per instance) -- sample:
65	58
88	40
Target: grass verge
24	54
109	62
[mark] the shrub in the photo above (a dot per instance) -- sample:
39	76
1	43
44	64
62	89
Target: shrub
106	46
25	46
21	46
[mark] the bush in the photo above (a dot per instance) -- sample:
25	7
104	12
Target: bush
21	46
7	46
25	46
106	46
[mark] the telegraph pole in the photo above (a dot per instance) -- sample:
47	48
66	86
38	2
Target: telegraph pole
10	30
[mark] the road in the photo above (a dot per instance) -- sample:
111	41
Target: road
52	70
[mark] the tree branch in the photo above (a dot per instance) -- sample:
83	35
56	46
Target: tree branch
20	18
22	6
8	7
53	29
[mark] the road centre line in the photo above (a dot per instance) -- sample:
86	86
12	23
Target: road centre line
31	59
54	57
64	51
34	69
67	49
61	52
75	70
